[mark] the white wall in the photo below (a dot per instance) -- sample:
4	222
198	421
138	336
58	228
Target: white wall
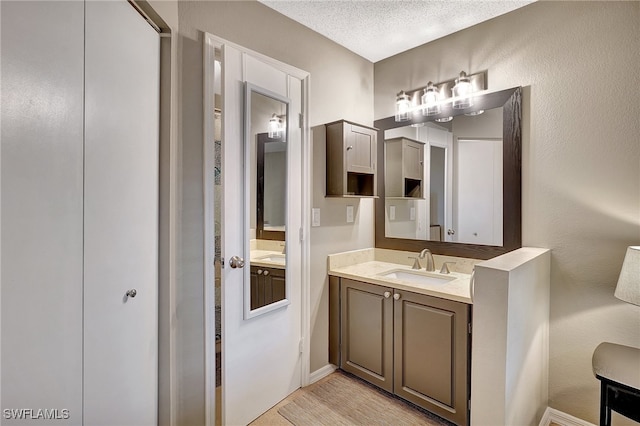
581	160
510	353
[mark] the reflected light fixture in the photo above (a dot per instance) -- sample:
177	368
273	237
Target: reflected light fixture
430	100
275	127
462	92
403	106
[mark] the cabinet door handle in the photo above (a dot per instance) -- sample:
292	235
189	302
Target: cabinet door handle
259	271
265	273
349	148
387	294
396	296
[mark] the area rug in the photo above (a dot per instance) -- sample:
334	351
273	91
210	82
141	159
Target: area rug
343	400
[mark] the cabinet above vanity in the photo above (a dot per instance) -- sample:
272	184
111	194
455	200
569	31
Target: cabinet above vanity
351	160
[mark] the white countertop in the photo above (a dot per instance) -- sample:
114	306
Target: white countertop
457	289
256	260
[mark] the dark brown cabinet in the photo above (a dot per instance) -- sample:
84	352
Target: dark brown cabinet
413	345
404	168
267	286
351	159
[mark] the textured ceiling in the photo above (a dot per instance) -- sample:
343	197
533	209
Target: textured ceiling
378	29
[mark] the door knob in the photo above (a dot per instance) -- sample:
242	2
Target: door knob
236	262
387	294
131	293
451	231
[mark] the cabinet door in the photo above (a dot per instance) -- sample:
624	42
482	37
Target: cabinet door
267	286
367	332
413	159
360	149
431	354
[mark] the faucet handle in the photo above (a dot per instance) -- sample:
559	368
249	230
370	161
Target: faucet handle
416	263
445	268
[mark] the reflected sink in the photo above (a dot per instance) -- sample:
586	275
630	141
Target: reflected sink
275	258
418	277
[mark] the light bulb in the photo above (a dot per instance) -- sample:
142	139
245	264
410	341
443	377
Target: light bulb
462	92
430	98
403	106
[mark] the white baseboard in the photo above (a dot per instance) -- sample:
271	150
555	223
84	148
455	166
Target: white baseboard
552	415
322	373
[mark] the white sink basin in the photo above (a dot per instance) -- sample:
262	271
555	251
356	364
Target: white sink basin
275	258
418	277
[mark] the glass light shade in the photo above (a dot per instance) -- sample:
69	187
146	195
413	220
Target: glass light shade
628	288
403	106
430	98
444	119
462	92
275	127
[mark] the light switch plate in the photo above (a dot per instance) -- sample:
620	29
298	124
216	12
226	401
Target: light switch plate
315	217
349	214
392	212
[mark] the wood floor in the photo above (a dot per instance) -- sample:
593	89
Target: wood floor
274	418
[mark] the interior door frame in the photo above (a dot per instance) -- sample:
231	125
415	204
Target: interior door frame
211	42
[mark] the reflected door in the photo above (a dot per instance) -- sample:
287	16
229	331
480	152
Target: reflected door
479	192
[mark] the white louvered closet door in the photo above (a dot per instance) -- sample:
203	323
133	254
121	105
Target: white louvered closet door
120	216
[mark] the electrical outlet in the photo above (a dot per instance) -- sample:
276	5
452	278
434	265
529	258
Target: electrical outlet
349	214
315	217
392	212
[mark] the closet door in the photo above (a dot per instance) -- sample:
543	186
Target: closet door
41	211
121	216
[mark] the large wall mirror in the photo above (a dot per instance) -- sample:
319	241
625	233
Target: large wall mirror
453	186
266	125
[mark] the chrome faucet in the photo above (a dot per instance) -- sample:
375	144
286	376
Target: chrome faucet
430	266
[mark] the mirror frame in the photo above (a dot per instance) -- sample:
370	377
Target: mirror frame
249	89
511	101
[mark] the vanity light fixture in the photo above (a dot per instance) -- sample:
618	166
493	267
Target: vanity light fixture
430	100
403	106
462	92
440	98
275	127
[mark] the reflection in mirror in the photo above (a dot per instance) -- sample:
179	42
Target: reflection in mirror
266	118
462	184
469	201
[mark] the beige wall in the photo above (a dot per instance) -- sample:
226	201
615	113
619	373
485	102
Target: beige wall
578	63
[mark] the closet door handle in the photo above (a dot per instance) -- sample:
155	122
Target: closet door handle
131	293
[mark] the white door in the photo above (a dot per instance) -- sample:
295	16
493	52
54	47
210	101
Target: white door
120	216
261	359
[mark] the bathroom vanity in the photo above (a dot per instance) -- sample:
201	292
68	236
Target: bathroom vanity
404	330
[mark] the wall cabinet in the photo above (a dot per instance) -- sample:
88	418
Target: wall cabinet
404	168
413	345
351	159
267	286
